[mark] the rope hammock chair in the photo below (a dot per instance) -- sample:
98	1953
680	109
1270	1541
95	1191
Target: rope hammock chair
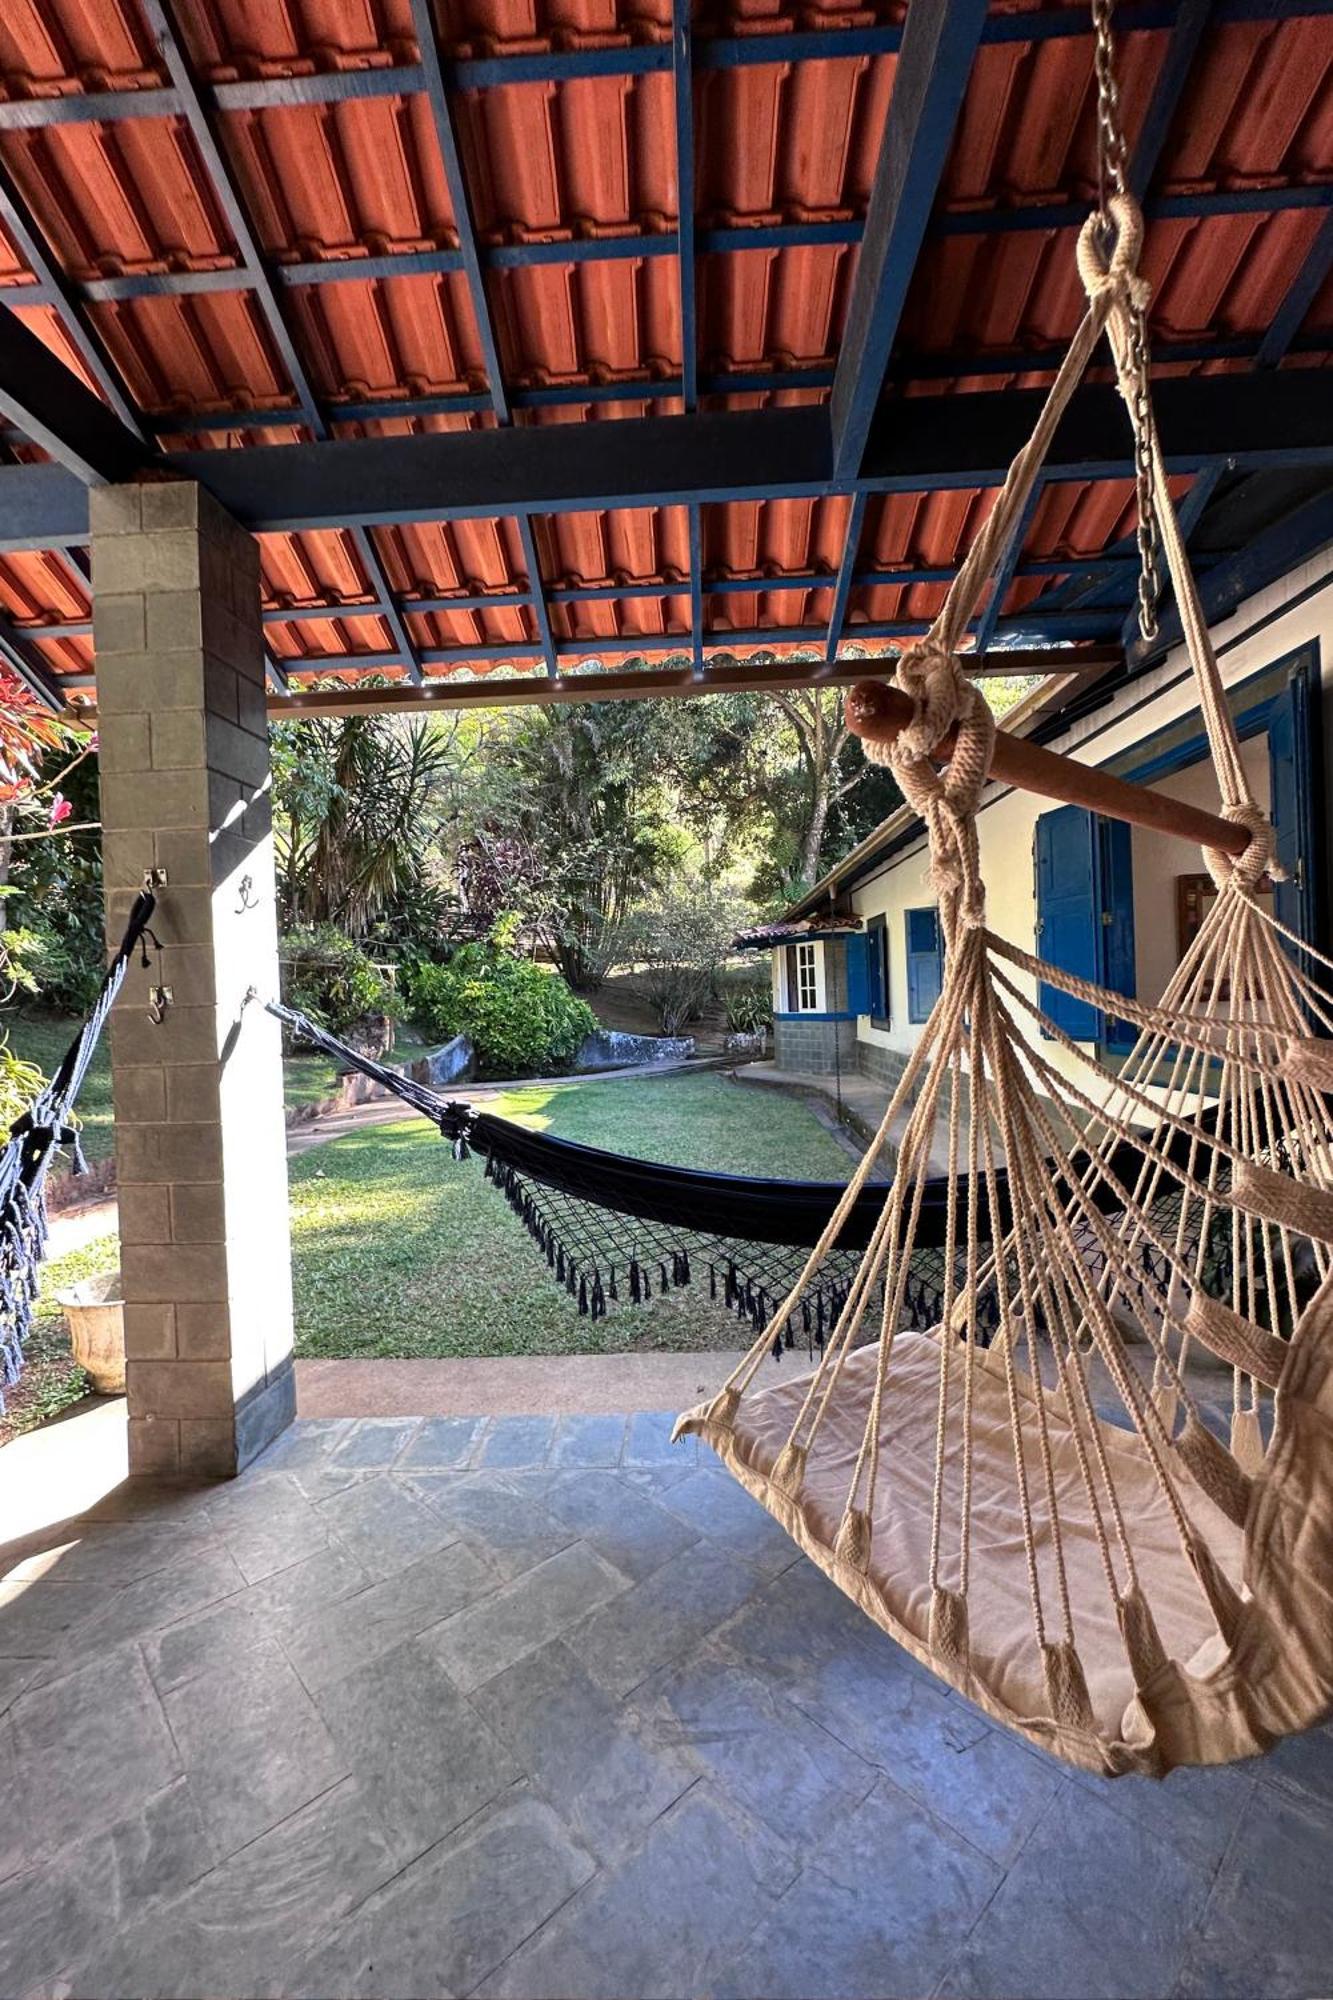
1047	1523
32	1145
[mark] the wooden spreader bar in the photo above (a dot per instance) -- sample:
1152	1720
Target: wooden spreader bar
878	713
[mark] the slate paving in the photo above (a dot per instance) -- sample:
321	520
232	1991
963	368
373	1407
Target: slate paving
547	1711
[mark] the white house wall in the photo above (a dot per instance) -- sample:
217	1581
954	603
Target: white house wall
1270	625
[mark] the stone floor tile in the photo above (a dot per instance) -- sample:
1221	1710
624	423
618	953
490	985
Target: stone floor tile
606	1775
112	1552
228	1632
992	1791
303	1443
683	1602
1195	1812
1094	1908
15	1675
385	1523
877	1912
254	1745
510	1530
422	1755
649	1441
443	1444
662	1923
454	1915
333	1639
588	1440
269	1525
90	1749
620	1521
40	1617
538	1606
373	1442
742	1733
724	1512
908	1725
1268	1925
1303	1764
800	1621
53	1916
516	1441
245	1927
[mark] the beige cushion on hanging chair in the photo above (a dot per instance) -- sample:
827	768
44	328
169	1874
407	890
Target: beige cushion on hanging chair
1211	1701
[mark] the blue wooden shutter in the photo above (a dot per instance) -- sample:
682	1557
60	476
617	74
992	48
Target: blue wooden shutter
858	975
1067	924
1085	916
925	965
1290	739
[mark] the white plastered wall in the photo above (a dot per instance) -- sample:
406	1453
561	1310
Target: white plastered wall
1268	626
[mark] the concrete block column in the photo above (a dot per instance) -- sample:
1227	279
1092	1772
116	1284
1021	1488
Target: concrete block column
200	1137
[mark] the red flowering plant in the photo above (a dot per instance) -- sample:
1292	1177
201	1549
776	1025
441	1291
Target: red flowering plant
34	807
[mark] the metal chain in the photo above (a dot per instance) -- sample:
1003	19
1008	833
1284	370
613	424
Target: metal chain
1111	179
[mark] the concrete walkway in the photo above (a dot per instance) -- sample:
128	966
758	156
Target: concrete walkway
864	1102
515	1385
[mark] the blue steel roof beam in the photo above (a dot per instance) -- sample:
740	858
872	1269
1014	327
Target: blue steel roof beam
423	27
21	656
1172	76
56	409
1005	571
1267	556
635	246
719	52
1305	287
697	587
27	239
934	64
223	185
842	589
536	591
1189	514
682	72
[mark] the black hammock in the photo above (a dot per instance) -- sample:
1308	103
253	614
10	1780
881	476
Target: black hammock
616	1230
33	1141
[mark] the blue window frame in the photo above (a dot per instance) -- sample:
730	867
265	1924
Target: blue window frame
877	971
925	961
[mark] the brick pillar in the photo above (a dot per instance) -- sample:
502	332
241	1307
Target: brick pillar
200	1140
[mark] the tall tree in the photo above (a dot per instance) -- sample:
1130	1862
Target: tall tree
579	789
360	803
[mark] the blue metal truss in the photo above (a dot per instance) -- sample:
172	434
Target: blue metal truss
842	589
938	48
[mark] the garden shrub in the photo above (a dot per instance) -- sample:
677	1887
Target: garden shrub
521	1019
748	1005
327	976
20	1083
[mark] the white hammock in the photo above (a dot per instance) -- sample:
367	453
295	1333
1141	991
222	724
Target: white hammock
1048	1522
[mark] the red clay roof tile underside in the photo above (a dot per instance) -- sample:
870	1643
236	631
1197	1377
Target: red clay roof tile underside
782	142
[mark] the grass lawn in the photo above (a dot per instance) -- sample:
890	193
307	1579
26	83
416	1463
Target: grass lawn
401	1251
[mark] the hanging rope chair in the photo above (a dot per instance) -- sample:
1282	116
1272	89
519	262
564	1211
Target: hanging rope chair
1045	1521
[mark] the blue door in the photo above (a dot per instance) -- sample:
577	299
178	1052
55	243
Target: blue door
1085	916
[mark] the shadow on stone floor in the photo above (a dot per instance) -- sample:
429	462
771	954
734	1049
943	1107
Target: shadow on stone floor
543	1708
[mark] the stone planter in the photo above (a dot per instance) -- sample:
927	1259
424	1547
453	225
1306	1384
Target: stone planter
95	1315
